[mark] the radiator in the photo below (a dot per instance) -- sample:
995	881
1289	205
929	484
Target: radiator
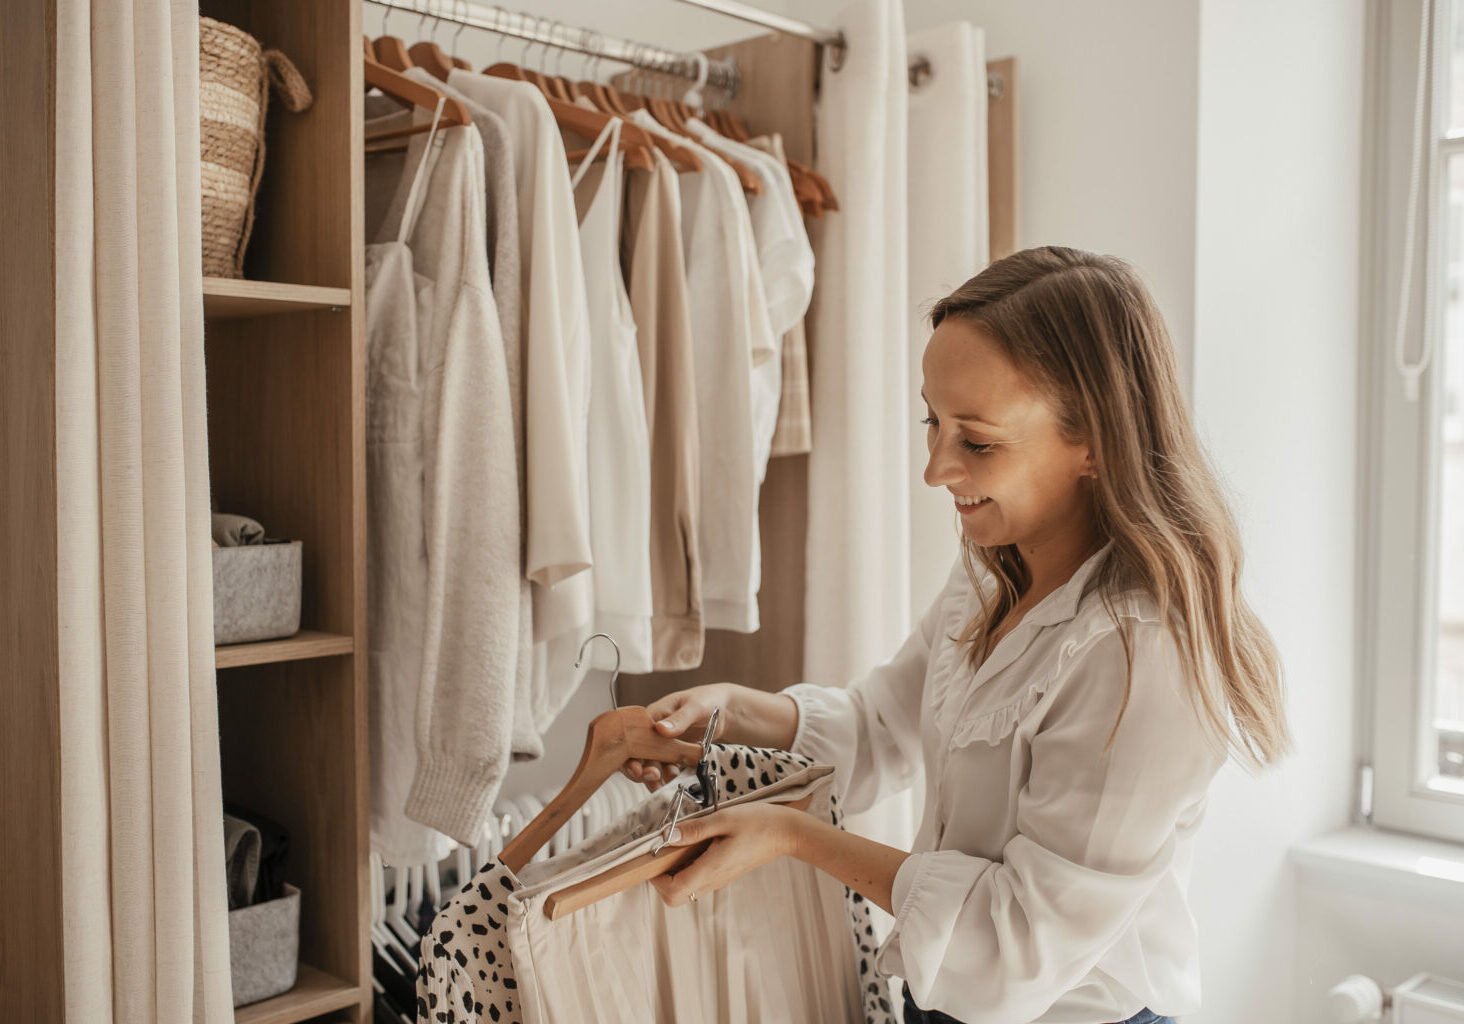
1425	999
1422	999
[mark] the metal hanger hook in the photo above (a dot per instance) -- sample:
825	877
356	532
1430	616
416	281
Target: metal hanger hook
710	735
502	36
461	24
615	676
422	22
669	832
386	19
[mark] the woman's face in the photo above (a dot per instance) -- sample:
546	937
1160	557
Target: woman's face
995	446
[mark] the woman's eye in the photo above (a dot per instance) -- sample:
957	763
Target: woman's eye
978	449
929	421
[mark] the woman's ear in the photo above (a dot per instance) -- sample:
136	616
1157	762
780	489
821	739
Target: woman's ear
1089	466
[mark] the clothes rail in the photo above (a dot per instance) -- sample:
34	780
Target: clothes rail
720	74
829	38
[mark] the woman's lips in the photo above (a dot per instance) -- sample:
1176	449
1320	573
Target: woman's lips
966	510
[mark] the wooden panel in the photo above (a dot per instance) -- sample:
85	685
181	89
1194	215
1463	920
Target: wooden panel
225	298
315	993
778	87
1001	158
779	80
304	644
303	226
281	445
32	975
289	751
286	444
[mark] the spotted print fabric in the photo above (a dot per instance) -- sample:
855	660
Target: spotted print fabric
466	970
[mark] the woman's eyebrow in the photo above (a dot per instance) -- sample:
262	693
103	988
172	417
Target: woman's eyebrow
967	418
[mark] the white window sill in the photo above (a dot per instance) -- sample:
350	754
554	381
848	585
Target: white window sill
1380	858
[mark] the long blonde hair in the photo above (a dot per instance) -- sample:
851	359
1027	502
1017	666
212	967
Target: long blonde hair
1085	331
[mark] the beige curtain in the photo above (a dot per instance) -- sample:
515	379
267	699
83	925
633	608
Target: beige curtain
146	925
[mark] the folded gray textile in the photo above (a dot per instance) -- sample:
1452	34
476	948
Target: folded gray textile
231	531
241	860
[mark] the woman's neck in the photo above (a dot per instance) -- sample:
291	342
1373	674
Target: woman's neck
1051	563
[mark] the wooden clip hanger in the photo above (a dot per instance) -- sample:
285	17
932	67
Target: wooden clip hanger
613	738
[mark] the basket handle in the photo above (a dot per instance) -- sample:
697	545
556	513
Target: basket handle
289	84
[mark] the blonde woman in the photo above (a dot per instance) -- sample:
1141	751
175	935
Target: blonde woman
1071	693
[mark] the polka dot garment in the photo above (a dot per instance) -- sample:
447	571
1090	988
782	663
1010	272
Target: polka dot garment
465	973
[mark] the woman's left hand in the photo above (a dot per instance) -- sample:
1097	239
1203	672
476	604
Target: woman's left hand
743	838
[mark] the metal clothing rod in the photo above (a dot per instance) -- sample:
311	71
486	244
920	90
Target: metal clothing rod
720	74
778	23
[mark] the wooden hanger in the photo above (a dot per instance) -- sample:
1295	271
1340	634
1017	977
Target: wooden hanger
826	191
670	118
612	738
736	128
461	64
606	99
392	52
429	57
410	94
635	142
566	901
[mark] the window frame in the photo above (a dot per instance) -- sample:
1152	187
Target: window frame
1399	493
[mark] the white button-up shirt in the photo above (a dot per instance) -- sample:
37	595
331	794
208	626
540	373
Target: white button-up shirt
1047	882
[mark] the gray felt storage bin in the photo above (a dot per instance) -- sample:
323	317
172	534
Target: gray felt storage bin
264	947
256	592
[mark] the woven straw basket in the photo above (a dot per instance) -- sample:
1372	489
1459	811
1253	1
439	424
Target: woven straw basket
233	92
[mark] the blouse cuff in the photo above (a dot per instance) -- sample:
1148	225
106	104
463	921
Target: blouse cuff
927	895
823	714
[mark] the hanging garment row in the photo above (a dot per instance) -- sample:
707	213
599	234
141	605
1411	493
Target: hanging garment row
584	344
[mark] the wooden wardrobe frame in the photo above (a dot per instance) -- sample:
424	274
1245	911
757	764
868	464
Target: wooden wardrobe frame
286	403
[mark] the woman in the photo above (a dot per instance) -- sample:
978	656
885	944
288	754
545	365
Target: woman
1070	694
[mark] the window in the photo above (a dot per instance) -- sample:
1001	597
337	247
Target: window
1413	428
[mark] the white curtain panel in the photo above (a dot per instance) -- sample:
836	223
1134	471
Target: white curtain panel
144	903
949	244
858	593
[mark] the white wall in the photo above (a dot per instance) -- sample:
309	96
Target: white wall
1280	116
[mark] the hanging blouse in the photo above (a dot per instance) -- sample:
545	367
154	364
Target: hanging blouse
501	191
733	337
656	275
556	344
442	488
619	441
794	432
784	943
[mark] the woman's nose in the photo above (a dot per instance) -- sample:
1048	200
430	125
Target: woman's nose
943	468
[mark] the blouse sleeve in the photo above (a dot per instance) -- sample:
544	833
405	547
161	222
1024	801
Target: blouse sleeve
996	942
870	730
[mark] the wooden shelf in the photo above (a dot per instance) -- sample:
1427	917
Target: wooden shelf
315	992
307	643
229	298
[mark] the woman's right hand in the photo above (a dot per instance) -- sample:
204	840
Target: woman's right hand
684	715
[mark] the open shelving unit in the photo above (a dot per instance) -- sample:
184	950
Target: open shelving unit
286	399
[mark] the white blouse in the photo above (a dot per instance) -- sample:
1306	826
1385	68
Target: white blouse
1047	882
